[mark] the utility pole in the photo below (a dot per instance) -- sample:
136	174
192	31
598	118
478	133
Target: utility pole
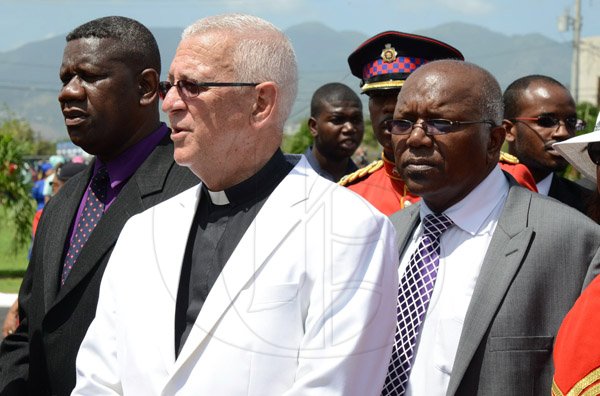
576	47
565	22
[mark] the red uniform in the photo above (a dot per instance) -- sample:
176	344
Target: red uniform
381	185
520	172
577	348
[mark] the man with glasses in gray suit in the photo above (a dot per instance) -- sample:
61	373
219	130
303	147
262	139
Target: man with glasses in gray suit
486	271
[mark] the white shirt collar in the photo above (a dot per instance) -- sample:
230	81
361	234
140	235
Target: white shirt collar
544	185
471	212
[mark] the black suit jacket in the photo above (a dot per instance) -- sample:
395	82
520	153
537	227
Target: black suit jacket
569	193
39	358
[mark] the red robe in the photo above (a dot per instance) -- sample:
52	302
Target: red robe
577	347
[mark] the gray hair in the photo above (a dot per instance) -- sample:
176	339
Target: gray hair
262	53
492	106
490	98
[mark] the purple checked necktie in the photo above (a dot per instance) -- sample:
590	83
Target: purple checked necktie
92	212
414	293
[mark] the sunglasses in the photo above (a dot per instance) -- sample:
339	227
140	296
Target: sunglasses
438	126
189	89
593	150
546	121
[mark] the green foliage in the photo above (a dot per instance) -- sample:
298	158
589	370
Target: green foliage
42	147
12	263
14	191
370	143
299	141
588	113
21	131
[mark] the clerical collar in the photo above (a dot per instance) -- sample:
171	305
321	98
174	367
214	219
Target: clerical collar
218	197
261	183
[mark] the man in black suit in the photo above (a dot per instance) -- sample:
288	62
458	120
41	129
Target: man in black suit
109	99
539	111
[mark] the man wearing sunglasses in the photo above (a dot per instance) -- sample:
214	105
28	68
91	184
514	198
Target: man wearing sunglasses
268	285
486	271
539	111
109	99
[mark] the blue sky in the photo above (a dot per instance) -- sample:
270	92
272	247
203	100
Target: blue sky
23	21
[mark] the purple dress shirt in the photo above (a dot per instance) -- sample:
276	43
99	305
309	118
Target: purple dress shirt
120	170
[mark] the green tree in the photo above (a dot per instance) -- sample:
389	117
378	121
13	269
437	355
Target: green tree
14	190
370	142
298	141
588	113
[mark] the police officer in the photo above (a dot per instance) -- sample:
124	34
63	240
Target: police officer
382	63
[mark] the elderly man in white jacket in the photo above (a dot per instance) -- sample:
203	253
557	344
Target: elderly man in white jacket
265	279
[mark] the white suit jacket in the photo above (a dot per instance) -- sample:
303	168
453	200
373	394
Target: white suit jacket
306	305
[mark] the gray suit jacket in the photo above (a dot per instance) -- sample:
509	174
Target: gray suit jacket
39	358
541	255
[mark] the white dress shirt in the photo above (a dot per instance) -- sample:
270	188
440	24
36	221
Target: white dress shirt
462	250
543	186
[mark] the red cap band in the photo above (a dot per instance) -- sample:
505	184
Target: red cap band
402	64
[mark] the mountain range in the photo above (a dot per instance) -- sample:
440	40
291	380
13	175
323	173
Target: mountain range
29	74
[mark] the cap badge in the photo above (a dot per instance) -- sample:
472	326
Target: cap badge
389	53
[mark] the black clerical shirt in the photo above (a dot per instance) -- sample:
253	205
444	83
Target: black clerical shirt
220	221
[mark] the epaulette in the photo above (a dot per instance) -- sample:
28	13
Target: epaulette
508	158
361	173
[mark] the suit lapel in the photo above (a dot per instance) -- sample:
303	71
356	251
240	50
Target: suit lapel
405	222
148	179
172	222
56	237
280	214
503	259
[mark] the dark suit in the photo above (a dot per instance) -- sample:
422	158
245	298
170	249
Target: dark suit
540	256
40	356
569	193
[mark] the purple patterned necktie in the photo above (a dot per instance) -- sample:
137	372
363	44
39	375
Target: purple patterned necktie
92	212
414	294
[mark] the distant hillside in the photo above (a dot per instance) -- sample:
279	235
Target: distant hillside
29	75
507	57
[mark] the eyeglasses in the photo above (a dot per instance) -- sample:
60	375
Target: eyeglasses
438	126
593	150
189	89
546	121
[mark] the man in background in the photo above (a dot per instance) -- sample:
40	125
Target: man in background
337	127
109	100
539	111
